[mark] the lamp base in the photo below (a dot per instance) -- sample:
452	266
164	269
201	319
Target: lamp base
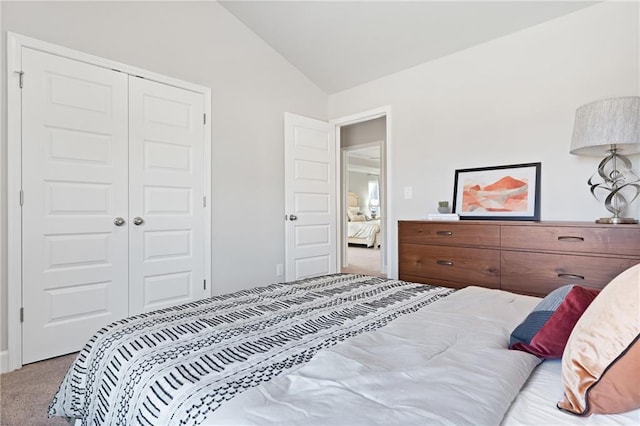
616	220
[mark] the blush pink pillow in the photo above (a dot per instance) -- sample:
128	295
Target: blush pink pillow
601	362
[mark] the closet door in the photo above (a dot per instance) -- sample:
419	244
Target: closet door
166	194
74	165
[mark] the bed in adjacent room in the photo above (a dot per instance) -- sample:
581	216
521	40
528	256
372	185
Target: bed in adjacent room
346	349
361	228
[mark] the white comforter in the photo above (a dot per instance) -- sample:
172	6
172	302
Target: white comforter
445	364
364	230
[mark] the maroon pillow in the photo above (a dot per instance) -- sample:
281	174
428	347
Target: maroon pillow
546	330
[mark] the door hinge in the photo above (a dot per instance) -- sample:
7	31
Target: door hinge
20	78
204	201
204	117
21	197
21	314
205	284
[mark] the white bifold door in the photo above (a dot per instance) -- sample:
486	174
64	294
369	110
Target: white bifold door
166	196
112	215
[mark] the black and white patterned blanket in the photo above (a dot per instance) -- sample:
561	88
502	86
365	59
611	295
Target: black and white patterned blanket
177	365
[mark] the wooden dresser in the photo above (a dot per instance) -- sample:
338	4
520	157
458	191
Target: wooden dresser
523	257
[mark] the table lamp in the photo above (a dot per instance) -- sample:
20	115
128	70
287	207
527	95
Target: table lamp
610	128
373	206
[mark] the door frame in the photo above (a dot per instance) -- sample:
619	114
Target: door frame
385	183
15	44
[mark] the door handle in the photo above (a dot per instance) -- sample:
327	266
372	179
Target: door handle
138	220
118	221
293	217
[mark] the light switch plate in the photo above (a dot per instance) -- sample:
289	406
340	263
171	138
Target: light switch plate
408	192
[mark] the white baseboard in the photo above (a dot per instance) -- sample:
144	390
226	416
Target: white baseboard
4	362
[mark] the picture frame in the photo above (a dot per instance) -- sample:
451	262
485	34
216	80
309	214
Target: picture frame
510	192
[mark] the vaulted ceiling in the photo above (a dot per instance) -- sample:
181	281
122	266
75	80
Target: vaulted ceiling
342	44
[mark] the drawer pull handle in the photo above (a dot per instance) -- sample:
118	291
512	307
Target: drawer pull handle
571	239
572	276
447	233
444	262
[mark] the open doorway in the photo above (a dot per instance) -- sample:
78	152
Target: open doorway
363	186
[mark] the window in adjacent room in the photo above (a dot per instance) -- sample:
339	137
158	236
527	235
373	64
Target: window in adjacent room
374	198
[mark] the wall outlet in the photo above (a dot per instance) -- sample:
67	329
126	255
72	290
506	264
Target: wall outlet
279	270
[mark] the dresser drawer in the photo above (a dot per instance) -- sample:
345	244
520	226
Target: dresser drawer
448	233
460	264
541	273
620	241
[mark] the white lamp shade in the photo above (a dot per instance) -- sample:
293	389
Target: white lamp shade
600	124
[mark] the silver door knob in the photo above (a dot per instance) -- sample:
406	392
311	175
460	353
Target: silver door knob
138	220
293	217
118	221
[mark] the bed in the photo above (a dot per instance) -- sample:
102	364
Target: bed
361	229
342	349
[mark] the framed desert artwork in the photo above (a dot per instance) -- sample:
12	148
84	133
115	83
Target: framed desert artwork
498	193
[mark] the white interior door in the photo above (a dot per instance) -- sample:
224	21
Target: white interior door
166	139
74	178
310	198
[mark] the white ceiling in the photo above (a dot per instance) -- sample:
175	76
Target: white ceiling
364	160
342	44
366	153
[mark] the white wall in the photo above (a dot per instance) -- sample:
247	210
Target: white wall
358	183
364	132
509	101
252	87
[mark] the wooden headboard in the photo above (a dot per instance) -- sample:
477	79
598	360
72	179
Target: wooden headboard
353	200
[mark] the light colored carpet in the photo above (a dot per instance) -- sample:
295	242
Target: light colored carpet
25	394
364	261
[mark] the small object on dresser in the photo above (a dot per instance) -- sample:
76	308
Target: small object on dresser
443	207
443	216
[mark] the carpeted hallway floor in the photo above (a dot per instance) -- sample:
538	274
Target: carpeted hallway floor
364	260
